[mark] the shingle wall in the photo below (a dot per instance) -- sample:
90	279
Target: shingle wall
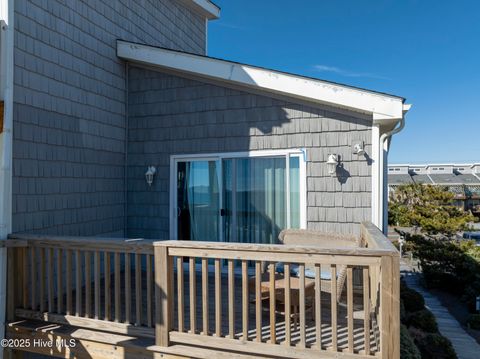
69	107
173	115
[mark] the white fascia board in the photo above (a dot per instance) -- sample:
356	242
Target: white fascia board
380	106
205	7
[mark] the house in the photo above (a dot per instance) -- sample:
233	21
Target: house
117	124
461	179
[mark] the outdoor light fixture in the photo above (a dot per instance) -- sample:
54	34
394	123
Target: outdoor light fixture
151	170
332	163
358	148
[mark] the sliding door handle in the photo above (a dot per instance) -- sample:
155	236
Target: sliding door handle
223	212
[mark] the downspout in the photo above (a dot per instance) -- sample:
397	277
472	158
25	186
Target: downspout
381	189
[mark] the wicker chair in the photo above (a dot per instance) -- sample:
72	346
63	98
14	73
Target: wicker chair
323	240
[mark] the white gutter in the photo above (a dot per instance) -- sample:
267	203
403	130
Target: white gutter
6	85
382	201
379	105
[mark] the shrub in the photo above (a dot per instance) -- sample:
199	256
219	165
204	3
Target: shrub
423	320
449	265
412	300
408	350
474	321
433	345
403	314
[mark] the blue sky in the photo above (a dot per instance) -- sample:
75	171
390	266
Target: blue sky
427	51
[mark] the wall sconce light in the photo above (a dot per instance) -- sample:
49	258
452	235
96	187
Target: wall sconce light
332	163
151	170
358	148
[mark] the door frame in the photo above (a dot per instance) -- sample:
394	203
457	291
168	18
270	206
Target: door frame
174	159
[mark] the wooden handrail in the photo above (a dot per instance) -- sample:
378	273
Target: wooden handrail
277	248
376	239
13	243
114	245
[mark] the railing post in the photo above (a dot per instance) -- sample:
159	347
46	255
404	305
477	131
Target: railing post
390	307
15	285
163	295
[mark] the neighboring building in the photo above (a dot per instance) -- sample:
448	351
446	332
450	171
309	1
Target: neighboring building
461	179
89	113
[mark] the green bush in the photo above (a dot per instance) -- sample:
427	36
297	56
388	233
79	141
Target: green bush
449	265
432	345
474	321
423	320
412	300
403	314
408	349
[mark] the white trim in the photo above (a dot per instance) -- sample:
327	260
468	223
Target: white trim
287	189
303	189
174	159
375	174
384	185
206	36
380	106
242	154
204	7
7	64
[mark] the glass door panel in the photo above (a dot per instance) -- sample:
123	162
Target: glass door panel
259	202
198	200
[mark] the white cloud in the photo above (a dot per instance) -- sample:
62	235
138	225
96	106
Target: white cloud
347	73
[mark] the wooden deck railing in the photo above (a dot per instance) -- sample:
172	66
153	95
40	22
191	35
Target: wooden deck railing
84	282
272	300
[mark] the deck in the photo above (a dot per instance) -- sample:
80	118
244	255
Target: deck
142	293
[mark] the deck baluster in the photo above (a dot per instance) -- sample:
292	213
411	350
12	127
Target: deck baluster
138	289
287	305
245	300
42	279
180	294
59	282
218	298
78	283
273	309
68	281
108	286
350	308
333	301
231	299
88	284
193	295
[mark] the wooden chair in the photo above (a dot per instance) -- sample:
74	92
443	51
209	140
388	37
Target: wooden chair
323	240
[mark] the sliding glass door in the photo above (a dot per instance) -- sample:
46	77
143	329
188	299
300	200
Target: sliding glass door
238	198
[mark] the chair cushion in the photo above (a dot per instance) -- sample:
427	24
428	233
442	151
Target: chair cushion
325	272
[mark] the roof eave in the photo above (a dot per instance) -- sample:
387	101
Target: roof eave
380	106
204	7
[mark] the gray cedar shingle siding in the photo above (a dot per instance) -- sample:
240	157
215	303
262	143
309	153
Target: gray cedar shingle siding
174	115
69	107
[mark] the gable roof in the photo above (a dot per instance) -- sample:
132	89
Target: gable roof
380	105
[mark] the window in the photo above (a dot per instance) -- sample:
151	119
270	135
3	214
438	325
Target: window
237	197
